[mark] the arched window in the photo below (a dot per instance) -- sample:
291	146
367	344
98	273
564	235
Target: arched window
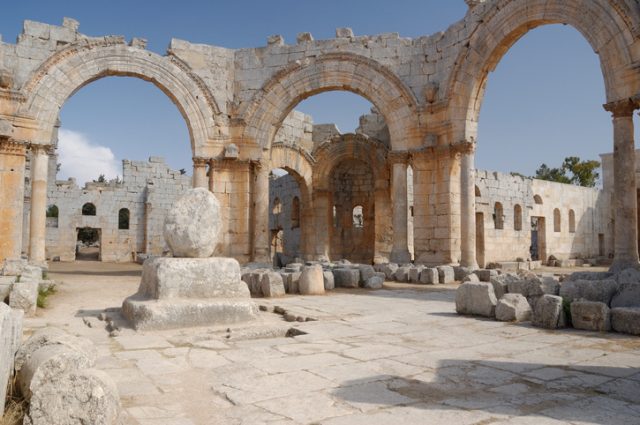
335	216
123	219
572	221
358	217
478	194
537	199
295	213
517	217
498	216
88	209
52	216
557	221
277	206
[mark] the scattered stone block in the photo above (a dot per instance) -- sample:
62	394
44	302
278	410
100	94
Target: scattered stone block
31	273
10	336
628	293
471	277
329	282
476	298
548	312
414	274
590	316
312	281
501	283
588	276
375	282
485	275
626	320
366	271
461	272
14	266
389	270
429	276
271	285
402	274
589	290
446	274
513	308
346	278
192	225
86	396
24	296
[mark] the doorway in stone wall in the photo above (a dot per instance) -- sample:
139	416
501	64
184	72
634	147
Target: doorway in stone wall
88	244
277	248
480	239
538	248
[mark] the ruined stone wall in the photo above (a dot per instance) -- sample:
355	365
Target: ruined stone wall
285	189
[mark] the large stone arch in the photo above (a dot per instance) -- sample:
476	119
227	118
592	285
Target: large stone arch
70	69
608	26
332	71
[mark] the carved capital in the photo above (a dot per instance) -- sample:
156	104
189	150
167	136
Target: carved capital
621	108
39	149
12	147
200	162
464	147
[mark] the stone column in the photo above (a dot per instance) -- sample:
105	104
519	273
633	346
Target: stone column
260	197
624	185
467	206
12	162
400	207
199	172
38	223
211	175
323	222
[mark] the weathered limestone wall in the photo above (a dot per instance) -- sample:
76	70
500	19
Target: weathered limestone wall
285	189
12	171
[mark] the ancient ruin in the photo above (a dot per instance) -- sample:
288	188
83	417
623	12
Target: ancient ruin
372	256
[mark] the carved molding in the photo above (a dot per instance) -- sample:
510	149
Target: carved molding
13	147
621	108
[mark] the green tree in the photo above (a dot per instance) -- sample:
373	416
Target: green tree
572	171
101	179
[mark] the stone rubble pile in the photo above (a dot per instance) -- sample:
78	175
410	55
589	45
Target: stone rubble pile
55	374
20	283
596	301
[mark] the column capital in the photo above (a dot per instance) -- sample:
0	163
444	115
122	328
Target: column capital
464	147
398	157
621	108
200	161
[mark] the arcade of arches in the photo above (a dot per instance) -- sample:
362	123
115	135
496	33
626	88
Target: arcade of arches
428	91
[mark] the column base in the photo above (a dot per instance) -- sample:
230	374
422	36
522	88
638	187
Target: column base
260	256
401	256
472	265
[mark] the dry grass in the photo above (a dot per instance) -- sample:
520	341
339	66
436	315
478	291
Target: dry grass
15	406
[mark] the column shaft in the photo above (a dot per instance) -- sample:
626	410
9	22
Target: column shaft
260	197
38	223
400	251
468	210
199	173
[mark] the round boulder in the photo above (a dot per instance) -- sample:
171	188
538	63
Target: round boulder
192	227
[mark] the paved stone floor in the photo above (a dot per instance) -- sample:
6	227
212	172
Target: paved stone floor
394	356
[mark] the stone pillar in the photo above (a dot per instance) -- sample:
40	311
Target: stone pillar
199	172
624	185
38	223
12	165
323	222
400	207
467	206
260	197
211	175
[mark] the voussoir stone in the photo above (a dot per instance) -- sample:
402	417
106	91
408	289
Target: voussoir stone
311	281
192	226
513	308
476	298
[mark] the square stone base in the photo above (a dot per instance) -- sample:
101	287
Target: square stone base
152	314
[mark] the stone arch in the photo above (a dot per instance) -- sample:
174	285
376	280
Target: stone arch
333	71
70	69
503	22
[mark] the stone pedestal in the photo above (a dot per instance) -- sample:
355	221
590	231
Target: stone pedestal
184	292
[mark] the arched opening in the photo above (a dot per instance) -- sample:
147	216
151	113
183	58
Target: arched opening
537	199
276	206
88	209
517	218
477	192
498	216
284	220
572	221
358	217
52	216
557	221
295	213
123	219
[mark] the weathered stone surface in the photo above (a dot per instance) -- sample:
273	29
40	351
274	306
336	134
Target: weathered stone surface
590	290
513	308
31	273
85	396
366	271
471	277
24	296
53	336
329	282
588	276
10	336
389	270
164	278
6	282
476	298
590	316
14	266
628	293
192	226
271	285
402	274
253	278
446	274
145	314
346	278
375	282
501	283
414	274
429	276
485	275
626	320
460	273
548	312
47	365
312	281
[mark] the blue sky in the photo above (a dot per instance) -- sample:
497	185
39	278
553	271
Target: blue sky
543	102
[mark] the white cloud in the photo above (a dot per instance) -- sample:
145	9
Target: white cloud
83	160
